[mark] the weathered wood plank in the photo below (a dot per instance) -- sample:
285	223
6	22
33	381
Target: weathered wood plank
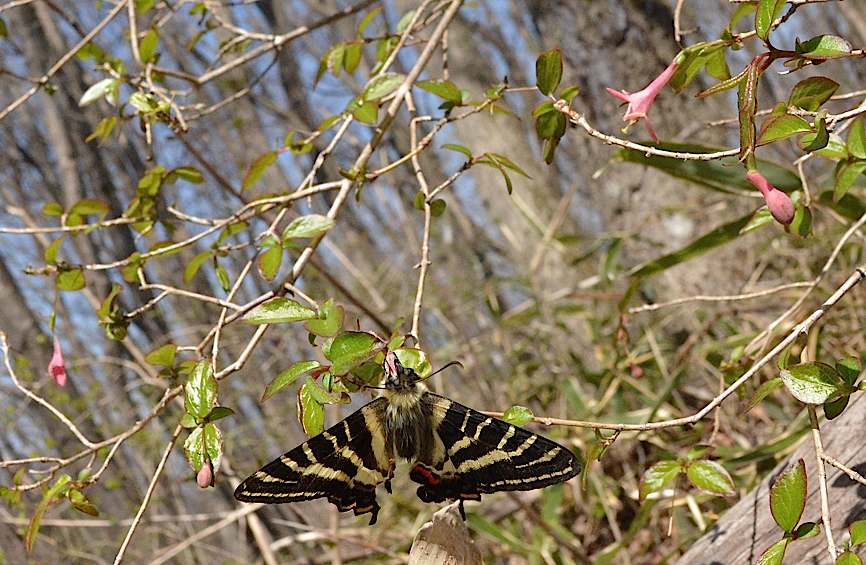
747	529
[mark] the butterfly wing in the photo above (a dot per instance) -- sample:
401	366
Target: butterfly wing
481	454
345	463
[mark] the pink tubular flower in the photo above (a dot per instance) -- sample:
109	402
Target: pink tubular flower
778	202
204	478
56	367
639	102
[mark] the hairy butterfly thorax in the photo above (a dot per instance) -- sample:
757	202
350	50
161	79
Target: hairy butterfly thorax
456	453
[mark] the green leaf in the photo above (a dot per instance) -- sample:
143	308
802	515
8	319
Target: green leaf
857	139
459	149
4	31
223	277
414	359
846	176
818	140
70	279
277	311
289	376
824	47
310	412
858	532
569	93
404	22
834	408
194	448
437	207
188	421
270	258
806	530
193	266
658	477
213	445
849	369
220	412
834	148
97	91
163	356
200	390
774	554
52	209
258	168
80	502
788	497
768	11
518	415
763	391
725	175
365	21
814	383
329	322
548	71
366	112
352	57
312	225
715	238
809	94
550	125
710	477
350	349
147	47
781	127
382	86
442	88
189	174
53	493
760	218
848	558
50	254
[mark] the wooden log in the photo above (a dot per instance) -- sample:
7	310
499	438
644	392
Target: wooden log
747	529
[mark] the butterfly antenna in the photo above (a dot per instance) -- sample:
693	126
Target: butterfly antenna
440	369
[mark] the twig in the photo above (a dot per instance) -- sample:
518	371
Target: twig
721	298
852	474
147	495
822	480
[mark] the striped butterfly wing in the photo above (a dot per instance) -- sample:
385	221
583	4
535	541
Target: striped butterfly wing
345	463
483	454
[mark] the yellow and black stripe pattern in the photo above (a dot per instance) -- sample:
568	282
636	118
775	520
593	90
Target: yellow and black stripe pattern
458	453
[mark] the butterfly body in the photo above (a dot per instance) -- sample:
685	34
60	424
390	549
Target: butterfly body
457	453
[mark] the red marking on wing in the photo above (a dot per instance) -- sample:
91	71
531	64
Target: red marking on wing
431	478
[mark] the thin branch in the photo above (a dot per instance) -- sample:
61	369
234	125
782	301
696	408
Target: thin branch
721	298
822	480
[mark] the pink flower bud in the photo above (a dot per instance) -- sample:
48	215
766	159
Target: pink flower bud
204	478
56	367
778	202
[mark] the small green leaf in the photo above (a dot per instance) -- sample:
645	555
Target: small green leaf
163	356
774	554
53	493
194	449
289	376
52	209
279	310
788	497
849	369
846	175
848	558
857	139
824	47
312	225
258	168
710	477
382	86
80	502
763	391
442	88
188	421
550	125
213	445
568	93
310	412
806	530
414	359
814	383
834	408
518	415
193	266
366	112
809	94
365	21
768	11
50	254
548	71
455	147
270	258
802	222
97	91
329	322
189	174
419	200
220	412
782	127
760	218
437	207
858	532
147	46
350	349
70	279
222	277
200	390
352	57
658	477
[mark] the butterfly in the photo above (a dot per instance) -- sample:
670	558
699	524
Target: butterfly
457	453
